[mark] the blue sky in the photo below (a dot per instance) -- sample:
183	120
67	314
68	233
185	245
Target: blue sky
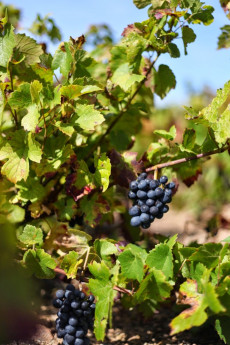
204	64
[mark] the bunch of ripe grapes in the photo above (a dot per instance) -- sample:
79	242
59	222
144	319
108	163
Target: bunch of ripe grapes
150	199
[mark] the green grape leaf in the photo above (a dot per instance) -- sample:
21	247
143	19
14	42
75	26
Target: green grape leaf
31	235
222	328
87	117
173	50
7	43
104	248
39	263
208	254
154	287
218	114
188	36
132	261
164	81
103	170
30	120
71	91
21	98
169	135
124	77
84	176
63	59
99	270
161	258
141	3
81	237
70	264
193	316
28	48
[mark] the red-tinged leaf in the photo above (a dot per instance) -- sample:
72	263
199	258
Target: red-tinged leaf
190	180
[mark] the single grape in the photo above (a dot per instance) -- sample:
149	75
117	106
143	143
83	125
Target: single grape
82	295
134	211
141	194
60	293
64	317
78	312
163	179
142	176
77	293
70	287
69	295
69	339
93	306
61	333
75	304
133	186
144	209
70	329
154	184
132	195
148	181
143	185
65	309
135	221
84	305
91	298
165	209
166	199
151	194
159	191
57	303
140	202
150	202
154	210
151	218
79	332
168	191
73	321
145	225
159	204
159	215
144	217
170	185
79	341
87	313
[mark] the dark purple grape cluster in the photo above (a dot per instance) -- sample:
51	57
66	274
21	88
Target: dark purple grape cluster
75	315
150	199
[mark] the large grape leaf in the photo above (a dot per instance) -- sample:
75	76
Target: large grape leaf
30	120
31	235
63	59
162	259
28	48
39	263
188	36
195	315
7	43
70	264
164	80
132	261
124	77
87	117
102	288
21	98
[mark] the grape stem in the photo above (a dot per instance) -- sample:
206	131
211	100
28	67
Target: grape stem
187	159
86	280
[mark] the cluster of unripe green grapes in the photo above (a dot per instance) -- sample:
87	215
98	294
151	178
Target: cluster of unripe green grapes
150	198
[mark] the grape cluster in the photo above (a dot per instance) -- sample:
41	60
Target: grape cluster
75	315
150	199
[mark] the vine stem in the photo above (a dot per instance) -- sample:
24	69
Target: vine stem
123	111
187	159
86	280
